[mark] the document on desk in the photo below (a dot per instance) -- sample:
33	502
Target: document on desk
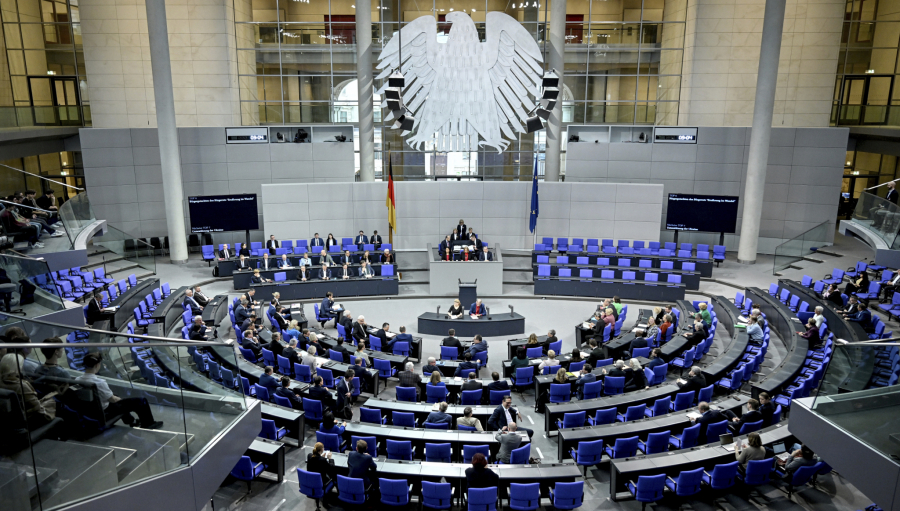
694	415
473	316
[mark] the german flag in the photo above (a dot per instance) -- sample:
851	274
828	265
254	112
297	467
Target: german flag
391	201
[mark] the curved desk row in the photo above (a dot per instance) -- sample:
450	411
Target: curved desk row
859	361
229	266
415	347
241	279
691	279
420	436
583	335
564	361
673	462
398	362
421	410
169	311
513	345
673	422
127	301
785	323
492	325
626	289
704	266
297	290
621	402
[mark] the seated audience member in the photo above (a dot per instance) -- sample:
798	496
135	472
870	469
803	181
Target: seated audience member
440	416
305	261
47	201
375	239
265	263
198	329
310	358
243	264
346	321
284	262
466	255
446	255
635	379
478	309
444	245
365	271
201	298
708	416
268	381
112	404
695	380
409	378
345	273
361	465
387	339
833	295
456	310
655	359
245	250
191	303
466	364
497	383
704	314
320	393
38	412
468	420
360	330
327	307
550	361
477	346
316	241
863	317
479	476
852	306
293	330
360	240
751	415
451	340
275	345
801	457
861	283
585	376
471	383
755	332
225	253
387	257
324	273
318	462
520	360
486	255
766	408
509	441
698	333
278	317
890	287
49	374
286	392
342	349
329	425
347	258
303	274
618	370
818	316
430	367
252	344
812	335
257	278
402	337
664	327
753	451
597	352
365	258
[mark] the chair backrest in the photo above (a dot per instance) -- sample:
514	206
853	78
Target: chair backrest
574	420
605	416
437	452
690	436
406	394
751	427
688	482
437	495
657	442
635	412
312	409
759	471
471	450
661	406
370	415
435	393
472	397
650	488
560	391
520	456
534	352
683	400
399	449
705	394
724	475
614	385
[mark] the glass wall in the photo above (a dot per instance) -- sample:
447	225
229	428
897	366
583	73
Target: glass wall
297	64
866	88
64	167
43	79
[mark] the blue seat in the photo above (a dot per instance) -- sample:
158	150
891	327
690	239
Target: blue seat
751	427
623	448
482	499
449	353
312	409
437	452
660	407
404	419
534	352
437	495
384	368
659	373
613	385
497	396
800	477
311	485
640	352
593	389
270	431
471	450
331	441
524	497
714	430
648	489
567	495
656	442
683	401
605	416
261	392
561	392
282	401
302	373
351	490
246	470
687	439
687	484
572	420
588	454
686	359
633	413
435	393
472	397
436	425
371	444
705	394
574	367
723	476
394	492
758	472
400	450
406	394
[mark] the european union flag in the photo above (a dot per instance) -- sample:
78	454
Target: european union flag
534	198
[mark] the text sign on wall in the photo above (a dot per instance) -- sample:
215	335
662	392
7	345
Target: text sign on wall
676	135
246	135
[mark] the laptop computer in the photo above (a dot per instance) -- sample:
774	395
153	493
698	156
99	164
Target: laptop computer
726	439
780	451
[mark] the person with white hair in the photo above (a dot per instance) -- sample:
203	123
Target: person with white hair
197	331
550	361
695	381
409	378
310	359
359	330
430	367
818	316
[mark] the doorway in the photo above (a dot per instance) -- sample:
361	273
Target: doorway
865	99
54	100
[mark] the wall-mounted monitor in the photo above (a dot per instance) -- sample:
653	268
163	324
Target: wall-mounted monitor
709	213
223	213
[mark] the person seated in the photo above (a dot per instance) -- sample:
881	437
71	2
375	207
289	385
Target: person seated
197	332
852	306
468	420
753	451
329	425
803	456
316	241
272	244
497	383
264	263
833	295
708	416
466	364
375	239
225	254
477	246
618	370
305	261
466	255
402	337
550	361
365	258
698	332
324	273
320	393
330	241
695	380
284	262
286	392
447	254
361	465
477	346
585	376
38	412
360	330
655	359
478	309
812	335
479	476
243	264
275	345
486	255
347	258
112	404
444	245
520	360
456	310
360	240
50	374
279	319
245	250
346	321
755	333
365	271
430	367
345	273
268	381
509	441
860	284
257	278
635	379
252	344
750	416
863	317
320	462
325	258
440	416
387	338
387	257
190	303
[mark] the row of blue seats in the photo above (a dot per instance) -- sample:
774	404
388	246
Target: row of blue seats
143	313
667	249
587	273
288	247
887	367
72	284
619	262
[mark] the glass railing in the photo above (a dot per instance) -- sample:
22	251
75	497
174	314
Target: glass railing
28	116
860	398
76	214
881	216
34	293
802	245
103	411
124	245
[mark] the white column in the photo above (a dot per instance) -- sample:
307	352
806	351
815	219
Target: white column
761	132
365	90
556	60
169	153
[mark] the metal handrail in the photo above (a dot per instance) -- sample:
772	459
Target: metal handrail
160	341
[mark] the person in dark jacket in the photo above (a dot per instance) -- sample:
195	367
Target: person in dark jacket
617	370
268	381
497	383
275	345
812	335
320	393
709	416
766	408
286	392
451	340
479	476
833	295
320	463
695	381
361	464
655	359
863	317
751	415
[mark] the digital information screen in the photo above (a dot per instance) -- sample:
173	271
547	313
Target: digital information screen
223	213
708	213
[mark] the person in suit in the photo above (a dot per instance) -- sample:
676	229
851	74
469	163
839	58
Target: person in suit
509	441
766	408
635	379
320	393
225	253
409	378
891	194
284	262
258	279
585	376
863	317
190	303
325	258
365	258
360	240
201	298
596	352
655	359
387	257
303	275
375	239
505	414
812	335
446	254
330	241
240	312
93	313
316	241
751	415
268	381
695	380
250	322
347	322
245	250
272	244
285	391
709	416
466	255
852	306
198	329
275	345
477	246
465	365
319	462
387	341
430	367
327	308
461	229
618	370
479	476
359	372
359	330
497	383
347	258
444	245
478	308
365	271
402	337
342	386
345	273
279	319
802	457
292	353
698	333
486	255
342	349
243	263
451	340
361	465
324	273
477	346
440	416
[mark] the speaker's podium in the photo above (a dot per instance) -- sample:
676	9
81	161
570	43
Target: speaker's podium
447	278
468	293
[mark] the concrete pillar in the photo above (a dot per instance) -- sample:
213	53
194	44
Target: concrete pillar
556	60
365	90
169	153
761	132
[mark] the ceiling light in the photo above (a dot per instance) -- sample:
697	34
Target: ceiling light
51	72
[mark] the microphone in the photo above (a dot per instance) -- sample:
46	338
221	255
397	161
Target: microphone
438	311
511	309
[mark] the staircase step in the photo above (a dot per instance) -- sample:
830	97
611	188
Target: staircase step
832	254
97	264
812	260
124	268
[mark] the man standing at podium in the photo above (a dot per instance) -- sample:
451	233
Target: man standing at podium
478	309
